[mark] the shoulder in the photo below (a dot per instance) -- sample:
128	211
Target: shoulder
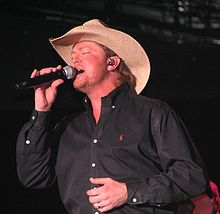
156	109
152	103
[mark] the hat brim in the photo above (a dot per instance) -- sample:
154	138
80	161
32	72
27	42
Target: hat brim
125	46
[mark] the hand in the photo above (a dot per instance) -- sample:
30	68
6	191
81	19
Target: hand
45	94
109	195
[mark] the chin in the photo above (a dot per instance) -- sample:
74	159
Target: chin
79	87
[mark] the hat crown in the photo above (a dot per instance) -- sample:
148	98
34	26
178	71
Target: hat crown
95	22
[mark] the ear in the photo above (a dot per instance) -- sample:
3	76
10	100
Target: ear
112	63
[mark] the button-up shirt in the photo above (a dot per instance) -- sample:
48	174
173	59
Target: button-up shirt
138	140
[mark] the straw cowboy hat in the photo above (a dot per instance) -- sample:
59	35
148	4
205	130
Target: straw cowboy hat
126	47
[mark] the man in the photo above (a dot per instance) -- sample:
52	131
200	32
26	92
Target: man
126	153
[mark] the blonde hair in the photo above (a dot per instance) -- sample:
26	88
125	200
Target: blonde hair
126	75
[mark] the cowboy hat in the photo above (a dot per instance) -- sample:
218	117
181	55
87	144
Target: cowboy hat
126	47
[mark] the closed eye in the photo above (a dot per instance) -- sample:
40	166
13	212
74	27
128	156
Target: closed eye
85	52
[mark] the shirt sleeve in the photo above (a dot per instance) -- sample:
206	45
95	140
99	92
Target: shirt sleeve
182	175
35	160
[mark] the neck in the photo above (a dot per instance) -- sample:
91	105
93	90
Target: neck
96	106
96	99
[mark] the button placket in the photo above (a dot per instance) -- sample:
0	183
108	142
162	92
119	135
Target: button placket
96	137
93	156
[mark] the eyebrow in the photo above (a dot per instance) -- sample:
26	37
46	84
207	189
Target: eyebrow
80	49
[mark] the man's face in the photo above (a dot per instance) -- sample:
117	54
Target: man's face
91	58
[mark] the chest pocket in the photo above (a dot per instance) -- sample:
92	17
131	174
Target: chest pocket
133	144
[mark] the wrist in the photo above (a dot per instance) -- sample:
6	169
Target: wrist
42	108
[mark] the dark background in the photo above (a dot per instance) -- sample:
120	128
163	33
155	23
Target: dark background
184	74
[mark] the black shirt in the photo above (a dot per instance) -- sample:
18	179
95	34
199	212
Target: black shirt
138	140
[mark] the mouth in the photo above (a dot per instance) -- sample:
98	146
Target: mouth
80	71
78	74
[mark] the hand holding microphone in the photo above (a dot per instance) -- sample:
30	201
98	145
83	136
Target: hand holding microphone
66	72
45	95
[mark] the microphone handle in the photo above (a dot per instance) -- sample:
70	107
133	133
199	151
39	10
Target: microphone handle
39	80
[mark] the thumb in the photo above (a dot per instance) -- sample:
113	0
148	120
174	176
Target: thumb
100	181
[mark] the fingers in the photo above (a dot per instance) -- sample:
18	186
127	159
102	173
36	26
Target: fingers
34	73
45	71
48	70
96	205
56	83
103	203
99	181
109	195
95	199
103	209
59	67
97	196
103	206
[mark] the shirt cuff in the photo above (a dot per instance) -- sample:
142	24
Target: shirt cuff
134	197
40	118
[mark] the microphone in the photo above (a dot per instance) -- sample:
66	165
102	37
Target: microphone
67	72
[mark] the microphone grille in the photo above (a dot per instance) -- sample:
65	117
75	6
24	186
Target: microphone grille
70	72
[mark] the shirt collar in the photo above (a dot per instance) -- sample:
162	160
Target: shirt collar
111	99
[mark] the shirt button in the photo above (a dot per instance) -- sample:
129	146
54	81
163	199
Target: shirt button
27	141
96	212
85	100
93	165
95	141
134	200
33	117
113	107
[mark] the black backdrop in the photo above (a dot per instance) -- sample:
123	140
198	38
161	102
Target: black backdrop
186	76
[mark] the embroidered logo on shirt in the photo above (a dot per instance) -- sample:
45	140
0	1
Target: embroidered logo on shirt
121	137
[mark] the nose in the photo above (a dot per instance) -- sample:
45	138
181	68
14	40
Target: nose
76	64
